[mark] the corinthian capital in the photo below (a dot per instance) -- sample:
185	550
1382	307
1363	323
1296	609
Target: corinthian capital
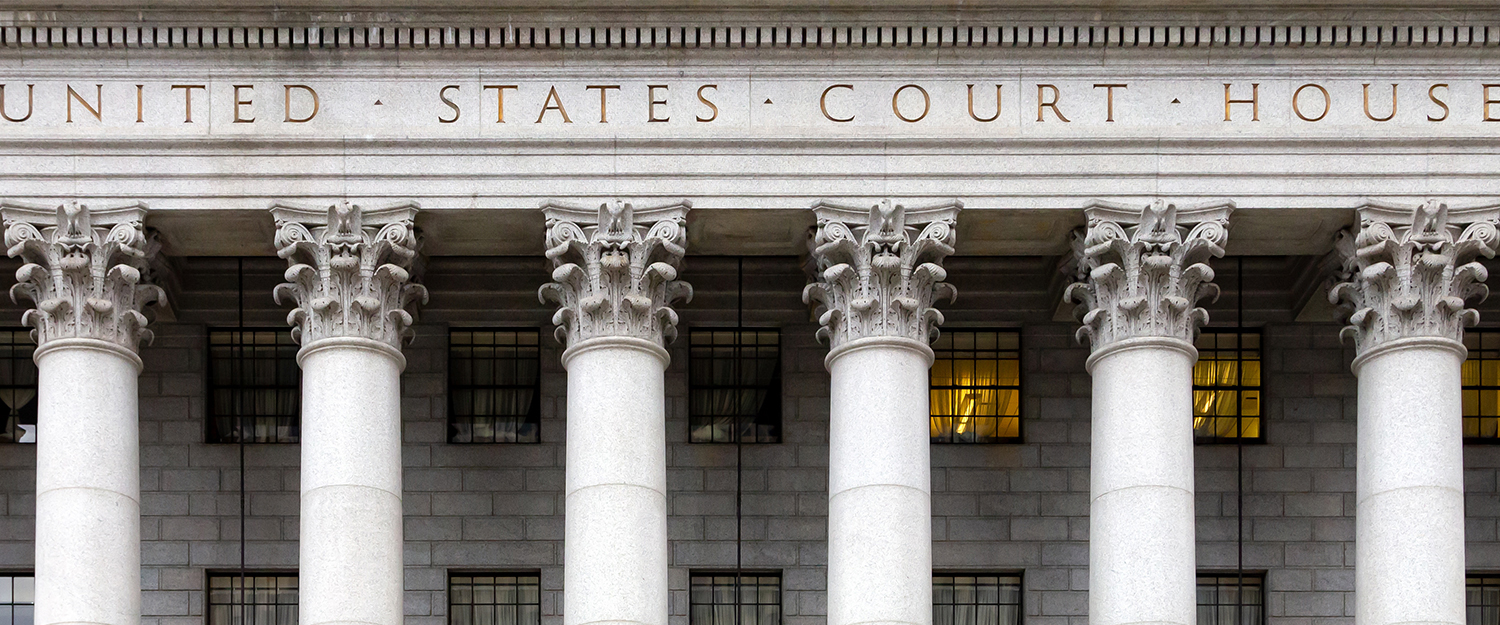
349	271
1142	270
1411	271
84	270
615	270
879	270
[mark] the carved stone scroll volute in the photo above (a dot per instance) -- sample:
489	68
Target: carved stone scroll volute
615	270
1412	271
879	270
85	270
1142	270
349	271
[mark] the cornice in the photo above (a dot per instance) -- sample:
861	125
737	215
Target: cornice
700	32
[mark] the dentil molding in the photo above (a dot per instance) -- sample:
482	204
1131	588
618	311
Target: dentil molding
1411	271
84	269
615	270
350	271
1141	270
879	270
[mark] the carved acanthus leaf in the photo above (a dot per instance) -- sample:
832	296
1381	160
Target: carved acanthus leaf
349	271
1412	271
84	270
879	270
615	270
1141	270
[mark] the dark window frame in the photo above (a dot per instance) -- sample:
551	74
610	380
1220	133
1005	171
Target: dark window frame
11	434
780	592
1019	387
534	412
1481	388
1239	388
208	586
471	573
211	433
1019	575
13	603
773	401
1259	578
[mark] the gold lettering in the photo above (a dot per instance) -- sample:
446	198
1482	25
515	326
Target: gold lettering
1109	99
823	104
140	101
1393	104
240	103
30	92
547	105
500	100
96	110
1052	104
713	110
997	106
603	100
443	95
1254	101
187	100
1432	94
651	108
1487	102
1297	106
926	103
311	92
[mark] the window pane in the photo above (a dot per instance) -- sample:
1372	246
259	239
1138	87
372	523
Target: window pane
735	380
1226	386
267	600
495	599
975	384
1481	386
1230	599
986	599
715	599
254	383
17	385
494	386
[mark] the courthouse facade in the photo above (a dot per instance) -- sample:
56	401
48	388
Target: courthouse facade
669	313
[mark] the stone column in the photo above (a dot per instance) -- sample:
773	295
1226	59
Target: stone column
1142	271
614	279
84	271
349	275
878	274
1409	274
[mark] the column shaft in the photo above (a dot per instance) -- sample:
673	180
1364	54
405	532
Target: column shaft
879	490
1141	527
615	561
351	537
88	538
1409	524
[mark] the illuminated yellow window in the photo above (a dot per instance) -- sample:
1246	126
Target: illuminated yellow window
1226	387
976	387
1482	386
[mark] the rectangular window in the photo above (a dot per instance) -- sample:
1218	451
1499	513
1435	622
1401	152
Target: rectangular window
254	599
17	593
1230	599
975	387
1481	386
1226	387
495	599
976	599
17	387
712	599
254	386
1483	600
494	386
734	379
